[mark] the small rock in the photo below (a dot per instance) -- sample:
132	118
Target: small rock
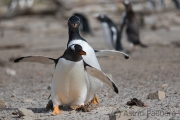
136	102
28	101
157	95
14	113
2	104
164	85
10	72
25	112
161	95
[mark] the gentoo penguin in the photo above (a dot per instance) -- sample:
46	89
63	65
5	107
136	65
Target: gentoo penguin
111	33
176	4
74	38
132	30
20	5
69	83
84	24
160	4
90	58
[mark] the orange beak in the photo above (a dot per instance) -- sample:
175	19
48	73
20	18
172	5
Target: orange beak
82	52
74	25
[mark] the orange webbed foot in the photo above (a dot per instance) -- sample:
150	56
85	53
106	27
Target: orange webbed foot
56	110
95	100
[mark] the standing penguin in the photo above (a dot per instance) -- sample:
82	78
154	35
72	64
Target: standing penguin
90	58
111	33
20	5
69	83
84	24
74	38
132	30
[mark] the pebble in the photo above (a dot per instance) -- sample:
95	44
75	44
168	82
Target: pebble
163	85
157	95
25	112
2	104
10	72
28	101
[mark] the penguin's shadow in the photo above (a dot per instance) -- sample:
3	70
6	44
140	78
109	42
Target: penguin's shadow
65	108
39	110
44	110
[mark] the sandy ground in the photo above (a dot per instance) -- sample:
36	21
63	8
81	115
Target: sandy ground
144	72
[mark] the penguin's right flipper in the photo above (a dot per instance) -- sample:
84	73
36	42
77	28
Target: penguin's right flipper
100	76
38	59
111	53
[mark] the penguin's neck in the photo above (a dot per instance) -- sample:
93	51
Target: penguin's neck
74	35
69	55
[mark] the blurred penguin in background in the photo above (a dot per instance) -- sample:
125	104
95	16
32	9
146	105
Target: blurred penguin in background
152	4
111	33
84	25
132	28
176	4
160	4
16	5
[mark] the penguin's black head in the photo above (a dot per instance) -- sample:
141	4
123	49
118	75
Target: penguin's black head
102	18
74	53
127	4
77	49
73	22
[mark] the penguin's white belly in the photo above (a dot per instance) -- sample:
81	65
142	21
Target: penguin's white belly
107	35
68	84
93	85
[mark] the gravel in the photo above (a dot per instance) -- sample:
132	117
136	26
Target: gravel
144	72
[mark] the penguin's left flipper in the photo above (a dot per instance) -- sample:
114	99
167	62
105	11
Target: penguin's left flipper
100	76
111	53
38	59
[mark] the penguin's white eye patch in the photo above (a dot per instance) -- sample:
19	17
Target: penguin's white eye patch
73	48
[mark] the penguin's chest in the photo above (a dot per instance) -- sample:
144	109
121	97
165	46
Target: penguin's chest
69	81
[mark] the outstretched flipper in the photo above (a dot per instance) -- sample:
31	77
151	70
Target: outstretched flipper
100	76
38	59
111	53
